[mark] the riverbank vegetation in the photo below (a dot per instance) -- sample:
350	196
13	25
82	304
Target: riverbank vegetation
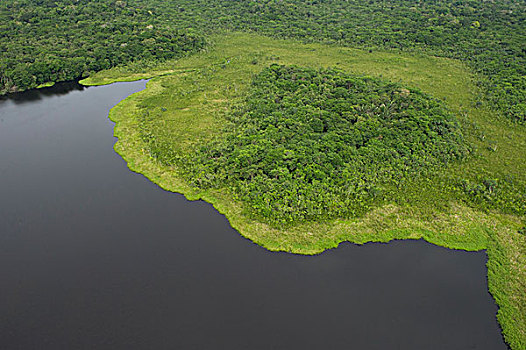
473	197
43	42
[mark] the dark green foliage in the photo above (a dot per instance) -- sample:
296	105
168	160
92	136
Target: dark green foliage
314	144
48	41
490	193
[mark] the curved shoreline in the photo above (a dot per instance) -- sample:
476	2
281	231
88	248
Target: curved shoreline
457	228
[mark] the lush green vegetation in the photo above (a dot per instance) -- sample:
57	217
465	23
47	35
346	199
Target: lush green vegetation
456	175
42	42
311	144
489	36
46	40
474	203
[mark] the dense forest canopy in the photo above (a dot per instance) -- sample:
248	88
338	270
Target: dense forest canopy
45	40
48	41
308	144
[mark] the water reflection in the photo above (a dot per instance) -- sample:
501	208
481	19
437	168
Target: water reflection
62	88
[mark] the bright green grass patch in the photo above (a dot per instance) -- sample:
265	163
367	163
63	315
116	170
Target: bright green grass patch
48	84
471	205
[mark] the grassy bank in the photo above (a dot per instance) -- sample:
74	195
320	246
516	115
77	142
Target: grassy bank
45	85
185	103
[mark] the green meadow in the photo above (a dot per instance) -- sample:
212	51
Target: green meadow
471	204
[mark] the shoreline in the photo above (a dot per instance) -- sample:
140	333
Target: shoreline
459	227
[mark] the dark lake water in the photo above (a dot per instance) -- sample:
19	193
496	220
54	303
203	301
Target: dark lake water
94	256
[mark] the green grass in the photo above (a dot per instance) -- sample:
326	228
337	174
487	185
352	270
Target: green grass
48	84
185	103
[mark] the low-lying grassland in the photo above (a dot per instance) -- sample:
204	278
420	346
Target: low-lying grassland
473	204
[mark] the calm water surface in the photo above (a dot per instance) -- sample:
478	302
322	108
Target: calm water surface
93	256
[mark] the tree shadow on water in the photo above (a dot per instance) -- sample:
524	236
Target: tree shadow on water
32	95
